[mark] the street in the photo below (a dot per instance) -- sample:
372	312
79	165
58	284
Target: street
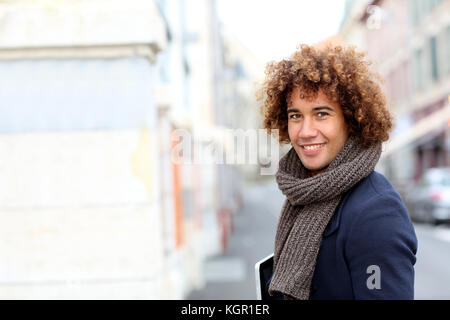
433	261
231	275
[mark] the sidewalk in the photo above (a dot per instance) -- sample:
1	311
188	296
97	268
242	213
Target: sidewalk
232	275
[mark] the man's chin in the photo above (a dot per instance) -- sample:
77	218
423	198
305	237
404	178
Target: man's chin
311	166
315	169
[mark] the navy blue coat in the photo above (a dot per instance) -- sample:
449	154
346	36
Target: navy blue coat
368	248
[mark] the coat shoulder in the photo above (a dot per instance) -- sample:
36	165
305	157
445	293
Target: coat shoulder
375	185
374	195
375	188
361	201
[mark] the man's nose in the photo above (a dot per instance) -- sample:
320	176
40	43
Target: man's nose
308	129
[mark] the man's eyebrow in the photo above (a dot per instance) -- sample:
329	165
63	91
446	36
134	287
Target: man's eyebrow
319	108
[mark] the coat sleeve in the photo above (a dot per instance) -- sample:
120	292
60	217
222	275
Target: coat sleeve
380	251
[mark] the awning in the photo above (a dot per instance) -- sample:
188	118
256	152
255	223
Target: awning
435	122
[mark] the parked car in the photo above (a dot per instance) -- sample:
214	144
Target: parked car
429	200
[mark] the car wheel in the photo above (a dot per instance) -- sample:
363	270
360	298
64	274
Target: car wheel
414	214
428	214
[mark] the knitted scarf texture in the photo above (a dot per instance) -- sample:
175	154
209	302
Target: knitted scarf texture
309	205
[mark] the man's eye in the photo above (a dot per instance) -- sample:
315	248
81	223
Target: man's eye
322	114
294	116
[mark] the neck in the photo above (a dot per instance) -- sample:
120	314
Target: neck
316	172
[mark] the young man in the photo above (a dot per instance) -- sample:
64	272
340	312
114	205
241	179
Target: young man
343	232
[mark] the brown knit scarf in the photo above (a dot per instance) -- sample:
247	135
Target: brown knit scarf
309	206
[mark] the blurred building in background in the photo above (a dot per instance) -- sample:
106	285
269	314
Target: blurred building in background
79	177
409	42
244	76
93	94
203	197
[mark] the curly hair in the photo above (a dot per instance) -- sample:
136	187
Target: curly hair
345	78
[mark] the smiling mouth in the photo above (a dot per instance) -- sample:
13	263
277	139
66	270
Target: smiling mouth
313	147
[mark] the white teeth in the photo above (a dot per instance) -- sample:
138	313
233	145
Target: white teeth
314	147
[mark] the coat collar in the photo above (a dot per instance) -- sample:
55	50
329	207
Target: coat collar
334	223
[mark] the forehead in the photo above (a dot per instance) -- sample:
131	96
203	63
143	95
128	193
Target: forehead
298	99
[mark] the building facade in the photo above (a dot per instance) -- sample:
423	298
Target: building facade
408	41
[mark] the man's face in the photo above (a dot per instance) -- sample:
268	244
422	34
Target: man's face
317	129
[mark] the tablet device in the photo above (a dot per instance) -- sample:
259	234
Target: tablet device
263	272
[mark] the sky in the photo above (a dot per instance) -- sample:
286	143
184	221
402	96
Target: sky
274	28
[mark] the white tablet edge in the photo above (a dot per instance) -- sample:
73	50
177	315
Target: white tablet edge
258	277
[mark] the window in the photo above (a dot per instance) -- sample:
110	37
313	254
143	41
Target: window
414	12
434	59
447	51
418	74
